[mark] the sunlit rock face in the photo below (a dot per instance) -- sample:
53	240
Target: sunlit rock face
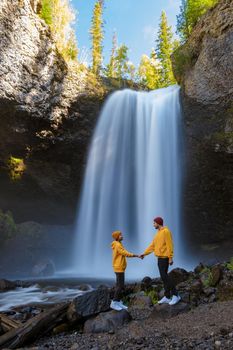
48	111
207	95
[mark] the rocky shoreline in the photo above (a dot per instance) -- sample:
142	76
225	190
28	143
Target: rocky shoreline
202	320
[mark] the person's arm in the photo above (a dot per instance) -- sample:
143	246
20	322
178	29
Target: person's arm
149	249
169	244
125	252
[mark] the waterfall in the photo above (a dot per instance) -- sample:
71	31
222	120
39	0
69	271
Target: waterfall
133	174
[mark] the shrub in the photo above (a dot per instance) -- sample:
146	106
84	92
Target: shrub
59	16
16	168
7	225
229	265
154	296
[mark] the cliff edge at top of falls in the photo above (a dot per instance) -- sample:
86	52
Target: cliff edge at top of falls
48	110
203	65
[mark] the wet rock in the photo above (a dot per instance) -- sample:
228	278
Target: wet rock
216	274
165	311
44	268
208	291
146	283
199	268
89	304
185	296
6	285
84	287
212	298
196	287
107	322
140	300
61	328
178	275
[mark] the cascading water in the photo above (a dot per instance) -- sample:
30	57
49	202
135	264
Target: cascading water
133	174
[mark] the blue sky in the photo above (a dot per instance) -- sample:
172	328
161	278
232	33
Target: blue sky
135	21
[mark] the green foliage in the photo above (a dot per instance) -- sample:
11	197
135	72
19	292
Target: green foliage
153	294
59	15
207	278
183	59
121	62
164	51
190	12
229	265
97	36
47	11
16	168
149	71
119	66
7	225
111	67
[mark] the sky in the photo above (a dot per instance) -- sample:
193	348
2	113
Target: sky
135	21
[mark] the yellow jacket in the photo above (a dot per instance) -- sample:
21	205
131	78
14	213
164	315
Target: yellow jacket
119	254
162	244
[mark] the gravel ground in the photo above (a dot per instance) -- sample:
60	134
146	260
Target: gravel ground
207	327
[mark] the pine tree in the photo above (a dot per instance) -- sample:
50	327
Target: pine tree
149	70
121	62
164	51
190	12
97	36
111	67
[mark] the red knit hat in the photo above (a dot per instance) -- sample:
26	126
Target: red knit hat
159	221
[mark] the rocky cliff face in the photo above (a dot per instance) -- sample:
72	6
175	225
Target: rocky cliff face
48	111
204	67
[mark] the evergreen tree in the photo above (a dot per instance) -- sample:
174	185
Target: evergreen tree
97	36
149	70
164	51
111	67
122	62
190	12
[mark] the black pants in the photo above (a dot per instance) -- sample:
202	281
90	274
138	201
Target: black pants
169	286
120	285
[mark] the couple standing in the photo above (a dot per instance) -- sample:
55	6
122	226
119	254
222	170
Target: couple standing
162	246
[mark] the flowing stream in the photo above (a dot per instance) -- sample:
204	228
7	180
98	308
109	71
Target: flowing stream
134	173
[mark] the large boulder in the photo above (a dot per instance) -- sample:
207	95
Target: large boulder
6	285
107	322
166	311
89	304
140	300
178	275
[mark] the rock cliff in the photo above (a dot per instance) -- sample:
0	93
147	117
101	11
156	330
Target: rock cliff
48	111
204	68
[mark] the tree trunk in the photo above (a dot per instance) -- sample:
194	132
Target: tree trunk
35	327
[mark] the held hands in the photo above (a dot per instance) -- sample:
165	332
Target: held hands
139	256
170	261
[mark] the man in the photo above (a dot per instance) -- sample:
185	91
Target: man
119	263
162	246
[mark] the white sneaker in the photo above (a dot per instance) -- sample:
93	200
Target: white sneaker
115	305
175	300
124	307
164	300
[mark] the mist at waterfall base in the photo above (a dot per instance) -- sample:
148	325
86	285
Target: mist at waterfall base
133	173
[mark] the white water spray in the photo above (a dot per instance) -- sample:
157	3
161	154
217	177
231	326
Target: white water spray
133	174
